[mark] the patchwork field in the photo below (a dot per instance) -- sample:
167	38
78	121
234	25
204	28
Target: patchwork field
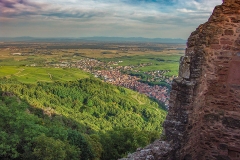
35	74
151	62
144	57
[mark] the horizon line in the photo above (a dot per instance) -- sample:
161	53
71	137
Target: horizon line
91	37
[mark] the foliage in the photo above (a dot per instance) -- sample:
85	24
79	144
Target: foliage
48	148
92	103
72	120
119	142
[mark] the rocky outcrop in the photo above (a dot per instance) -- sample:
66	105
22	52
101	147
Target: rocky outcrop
203	122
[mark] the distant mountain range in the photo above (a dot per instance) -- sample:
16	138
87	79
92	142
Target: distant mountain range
93	39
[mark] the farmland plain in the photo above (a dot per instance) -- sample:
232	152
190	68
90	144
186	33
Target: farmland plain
144	57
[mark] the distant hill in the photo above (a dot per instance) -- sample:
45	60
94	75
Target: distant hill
94	39
135	39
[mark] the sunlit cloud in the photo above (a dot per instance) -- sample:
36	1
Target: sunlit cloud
148	18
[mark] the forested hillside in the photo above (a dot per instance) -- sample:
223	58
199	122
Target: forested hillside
84	119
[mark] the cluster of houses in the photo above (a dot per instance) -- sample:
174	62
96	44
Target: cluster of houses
115	77
111	72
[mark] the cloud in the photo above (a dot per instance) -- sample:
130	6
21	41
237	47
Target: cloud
92	8
184	10
16	8
106	16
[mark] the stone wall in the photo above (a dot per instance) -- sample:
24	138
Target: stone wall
203	122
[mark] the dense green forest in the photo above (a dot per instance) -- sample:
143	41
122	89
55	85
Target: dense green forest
84	119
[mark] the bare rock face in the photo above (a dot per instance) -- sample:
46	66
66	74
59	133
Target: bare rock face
203	122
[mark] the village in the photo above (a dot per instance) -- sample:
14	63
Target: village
112	73
132	82
115	73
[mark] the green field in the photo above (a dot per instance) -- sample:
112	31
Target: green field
35	74
166	58
153	62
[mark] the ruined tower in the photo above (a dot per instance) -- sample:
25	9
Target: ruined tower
203	122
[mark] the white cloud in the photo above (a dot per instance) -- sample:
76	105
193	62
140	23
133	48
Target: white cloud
114	18
184	10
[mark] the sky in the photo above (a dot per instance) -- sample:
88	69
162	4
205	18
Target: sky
109	18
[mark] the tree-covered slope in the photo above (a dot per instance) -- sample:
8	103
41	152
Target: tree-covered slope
87	118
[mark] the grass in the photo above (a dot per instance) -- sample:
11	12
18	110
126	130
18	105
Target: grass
172	67
154	62
35	74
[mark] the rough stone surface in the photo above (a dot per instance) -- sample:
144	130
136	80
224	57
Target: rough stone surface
203	122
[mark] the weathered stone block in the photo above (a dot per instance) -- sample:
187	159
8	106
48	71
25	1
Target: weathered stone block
231	122
223	146
216	46
226	53
228	32
237	42
237	1
226	47
184	70
234	73
226	42
235	20
238	30
214	41
211	118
